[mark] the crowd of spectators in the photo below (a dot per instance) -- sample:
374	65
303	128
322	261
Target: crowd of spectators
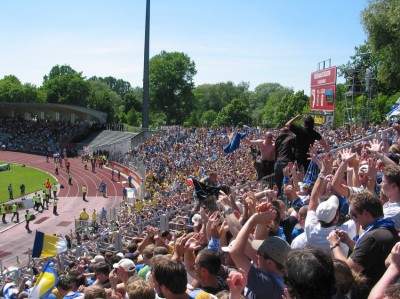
330	230
38	136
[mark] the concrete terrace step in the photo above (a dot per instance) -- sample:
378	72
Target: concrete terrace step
107	137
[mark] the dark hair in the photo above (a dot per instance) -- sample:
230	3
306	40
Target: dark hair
102	268
310	274
366	201
210	260
132	247
170	274
64	282
348	280
392	174
309	122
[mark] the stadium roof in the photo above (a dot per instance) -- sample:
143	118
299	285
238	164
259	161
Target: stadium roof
55	112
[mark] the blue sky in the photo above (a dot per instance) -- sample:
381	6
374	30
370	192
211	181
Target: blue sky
255	41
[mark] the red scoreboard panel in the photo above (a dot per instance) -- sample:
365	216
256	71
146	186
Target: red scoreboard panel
323	90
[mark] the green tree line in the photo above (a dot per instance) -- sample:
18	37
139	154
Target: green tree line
175	100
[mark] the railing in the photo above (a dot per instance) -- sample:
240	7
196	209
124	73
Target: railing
366	138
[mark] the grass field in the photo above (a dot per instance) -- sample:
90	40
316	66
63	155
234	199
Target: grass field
32	179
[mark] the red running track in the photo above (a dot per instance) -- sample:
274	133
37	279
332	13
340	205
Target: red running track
15	241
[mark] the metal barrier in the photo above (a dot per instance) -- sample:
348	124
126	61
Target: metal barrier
366	138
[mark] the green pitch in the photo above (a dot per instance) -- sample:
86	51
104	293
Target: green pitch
32	179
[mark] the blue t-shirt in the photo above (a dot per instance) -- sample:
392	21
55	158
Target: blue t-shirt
260	284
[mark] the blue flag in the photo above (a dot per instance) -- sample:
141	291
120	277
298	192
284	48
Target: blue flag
234	142
47	280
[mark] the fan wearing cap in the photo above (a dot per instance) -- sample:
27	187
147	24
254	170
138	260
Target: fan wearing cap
124	265
269	254
322	218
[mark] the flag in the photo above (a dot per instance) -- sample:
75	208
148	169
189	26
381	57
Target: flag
311	174
189	181
46	245
395	110
202	172
234	142
18	260
247	128
46	281
10	291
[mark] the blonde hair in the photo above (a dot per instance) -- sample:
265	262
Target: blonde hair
139	289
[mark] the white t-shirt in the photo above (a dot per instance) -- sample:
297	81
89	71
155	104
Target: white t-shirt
392	210
316	235
300	241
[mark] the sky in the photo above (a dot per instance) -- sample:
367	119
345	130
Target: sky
255	41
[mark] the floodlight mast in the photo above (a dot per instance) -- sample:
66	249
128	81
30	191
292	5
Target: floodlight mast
146	71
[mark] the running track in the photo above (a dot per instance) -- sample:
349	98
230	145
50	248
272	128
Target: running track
15	241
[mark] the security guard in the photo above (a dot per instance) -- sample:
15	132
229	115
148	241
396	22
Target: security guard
84	215
27	219
46	198
55	207
14	209
54	189
69	178
94	215
38	202
3	213
10	191
84	192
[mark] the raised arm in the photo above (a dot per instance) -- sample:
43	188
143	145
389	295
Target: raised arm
391	275
320	184
290	122
347	157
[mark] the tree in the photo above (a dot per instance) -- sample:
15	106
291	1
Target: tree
235	113
192	120
133	118
12	90
216	96
171	85
119	86
381	21
260	96
64	85
208	118
130	101
104	99
291	105
272	106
